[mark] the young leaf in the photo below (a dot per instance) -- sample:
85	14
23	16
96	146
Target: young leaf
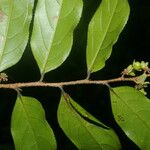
131	110
104	29
54	23
29	127
15	17
85	134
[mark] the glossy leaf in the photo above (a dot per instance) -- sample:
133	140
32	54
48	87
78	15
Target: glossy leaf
15	17
103	32
85	134
55	21
131	110
29	127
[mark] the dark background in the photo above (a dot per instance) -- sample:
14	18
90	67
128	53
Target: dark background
134	43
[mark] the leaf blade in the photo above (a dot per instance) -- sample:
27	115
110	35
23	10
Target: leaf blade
83	134
131	111
15	18
53	32
29	127
103	32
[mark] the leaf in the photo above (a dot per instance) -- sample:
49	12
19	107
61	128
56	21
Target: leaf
82	133
29	127
131	110
103	32
52	38
15	17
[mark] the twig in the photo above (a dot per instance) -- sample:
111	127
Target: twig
61	84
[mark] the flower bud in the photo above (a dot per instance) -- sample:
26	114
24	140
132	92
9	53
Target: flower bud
137	66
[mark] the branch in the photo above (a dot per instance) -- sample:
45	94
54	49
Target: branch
61	84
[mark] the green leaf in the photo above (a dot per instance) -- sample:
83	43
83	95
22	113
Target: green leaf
131	110
52	38
84	134
103	32
15	17
29	127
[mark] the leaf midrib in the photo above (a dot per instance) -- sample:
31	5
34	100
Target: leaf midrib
7	29
30	124
94	59
78	117
53	36
133	112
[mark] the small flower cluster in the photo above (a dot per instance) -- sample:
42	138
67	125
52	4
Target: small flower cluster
3	77
141	83
135	67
